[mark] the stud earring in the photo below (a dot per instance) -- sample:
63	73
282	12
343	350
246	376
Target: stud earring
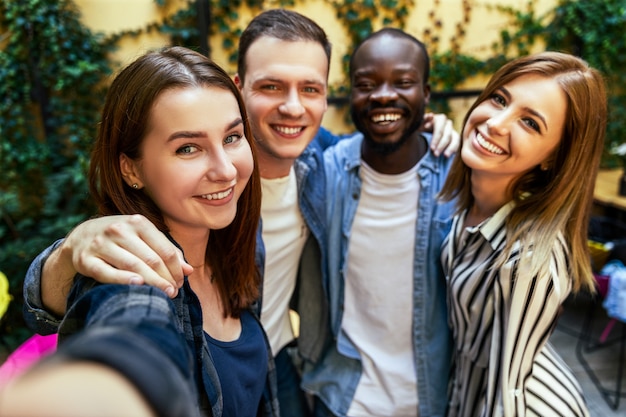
135	186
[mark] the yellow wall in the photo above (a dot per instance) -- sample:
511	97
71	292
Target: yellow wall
483	28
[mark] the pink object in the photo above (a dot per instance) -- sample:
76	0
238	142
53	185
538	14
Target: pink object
26	355
602	284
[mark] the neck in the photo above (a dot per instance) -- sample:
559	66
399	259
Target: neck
399	160
193	242
490	194
271	167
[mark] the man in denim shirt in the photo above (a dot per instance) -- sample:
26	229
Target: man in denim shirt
388	352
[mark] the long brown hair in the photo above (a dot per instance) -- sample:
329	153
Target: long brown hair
557	200
230	251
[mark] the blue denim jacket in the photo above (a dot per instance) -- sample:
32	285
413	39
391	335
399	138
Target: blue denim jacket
335	376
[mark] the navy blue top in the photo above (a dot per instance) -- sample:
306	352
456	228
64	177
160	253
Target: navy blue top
242	368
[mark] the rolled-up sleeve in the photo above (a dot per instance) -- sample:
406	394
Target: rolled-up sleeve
37	318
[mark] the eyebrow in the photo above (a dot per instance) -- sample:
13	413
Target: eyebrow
282	81
527	109
398	69
190	134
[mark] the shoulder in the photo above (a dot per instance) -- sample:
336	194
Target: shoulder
344	156
346	147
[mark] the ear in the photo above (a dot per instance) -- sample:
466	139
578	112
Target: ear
547	163
130	172
237	80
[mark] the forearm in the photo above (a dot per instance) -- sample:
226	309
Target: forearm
38	318
57	275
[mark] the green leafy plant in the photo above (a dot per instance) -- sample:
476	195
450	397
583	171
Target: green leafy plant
53	72
594	30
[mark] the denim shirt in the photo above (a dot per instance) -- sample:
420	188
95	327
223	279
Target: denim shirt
334	378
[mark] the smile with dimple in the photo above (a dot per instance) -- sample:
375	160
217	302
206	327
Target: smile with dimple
488	146
217	196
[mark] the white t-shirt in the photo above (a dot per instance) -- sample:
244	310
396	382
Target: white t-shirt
378	312
284	235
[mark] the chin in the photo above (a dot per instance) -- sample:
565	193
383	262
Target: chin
291	151
222	221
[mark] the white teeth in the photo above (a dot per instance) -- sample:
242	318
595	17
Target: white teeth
288	130
218	196
489	146
387	117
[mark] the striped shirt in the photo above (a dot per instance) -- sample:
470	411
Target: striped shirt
501	321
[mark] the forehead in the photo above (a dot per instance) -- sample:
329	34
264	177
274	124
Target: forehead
274	58
542	94
539	91
186	109
388	50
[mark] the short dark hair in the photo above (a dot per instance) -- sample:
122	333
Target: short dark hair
281	24
396	33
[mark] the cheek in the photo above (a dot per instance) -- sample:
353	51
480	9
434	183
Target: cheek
162	181
357	99
466	133
257	108
244	162
316	106
476	117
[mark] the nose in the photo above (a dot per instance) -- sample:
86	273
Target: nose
498	124
292	106
220	167
384	93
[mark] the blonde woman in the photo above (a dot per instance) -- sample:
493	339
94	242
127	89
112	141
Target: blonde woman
531	146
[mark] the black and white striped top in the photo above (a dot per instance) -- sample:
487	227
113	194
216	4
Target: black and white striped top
501	320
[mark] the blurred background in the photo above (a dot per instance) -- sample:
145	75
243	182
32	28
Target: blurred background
57	58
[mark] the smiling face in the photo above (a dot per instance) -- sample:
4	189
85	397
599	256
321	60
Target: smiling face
195	159
516	130
389	93
285	94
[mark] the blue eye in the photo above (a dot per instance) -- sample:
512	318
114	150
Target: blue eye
232	138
